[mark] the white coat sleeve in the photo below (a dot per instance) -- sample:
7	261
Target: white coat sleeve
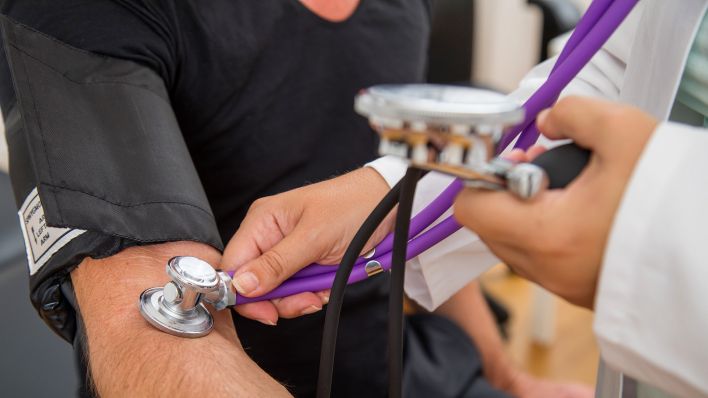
651	306
440	272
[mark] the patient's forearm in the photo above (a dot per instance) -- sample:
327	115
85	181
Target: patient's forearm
128	357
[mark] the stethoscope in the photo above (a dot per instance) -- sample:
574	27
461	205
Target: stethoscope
454	130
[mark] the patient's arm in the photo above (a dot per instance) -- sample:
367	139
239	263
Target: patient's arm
128	357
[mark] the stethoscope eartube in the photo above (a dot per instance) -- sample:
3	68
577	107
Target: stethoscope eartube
336	298
178	307
398	271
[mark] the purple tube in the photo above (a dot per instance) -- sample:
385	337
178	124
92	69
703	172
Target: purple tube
324	281
567	70
603	33
422	220
316	269
528	130
427	216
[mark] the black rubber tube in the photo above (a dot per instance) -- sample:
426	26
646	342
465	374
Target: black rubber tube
398	272
336	297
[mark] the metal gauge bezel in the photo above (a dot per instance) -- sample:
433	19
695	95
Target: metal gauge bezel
438	104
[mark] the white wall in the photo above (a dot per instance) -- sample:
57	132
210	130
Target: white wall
507	41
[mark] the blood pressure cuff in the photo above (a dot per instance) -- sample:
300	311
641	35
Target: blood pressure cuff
97	161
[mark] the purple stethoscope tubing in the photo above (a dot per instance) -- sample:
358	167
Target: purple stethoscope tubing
324	281
529	131
594	29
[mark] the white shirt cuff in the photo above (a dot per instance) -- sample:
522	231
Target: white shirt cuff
391	168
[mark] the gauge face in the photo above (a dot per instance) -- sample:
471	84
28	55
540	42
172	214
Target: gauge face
439	104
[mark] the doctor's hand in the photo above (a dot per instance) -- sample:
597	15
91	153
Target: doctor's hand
558	239
282	234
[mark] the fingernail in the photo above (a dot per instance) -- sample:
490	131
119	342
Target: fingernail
310	310
325	300
245	283
267	322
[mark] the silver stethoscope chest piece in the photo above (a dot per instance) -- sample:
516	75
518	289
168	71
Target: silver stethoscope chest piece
177	308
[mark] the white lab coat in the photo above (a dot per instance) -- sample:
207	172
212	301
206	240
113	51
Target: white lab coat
651	306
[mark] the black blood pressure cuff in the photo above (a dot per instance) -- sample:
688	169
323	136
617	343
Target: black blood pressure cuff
97	161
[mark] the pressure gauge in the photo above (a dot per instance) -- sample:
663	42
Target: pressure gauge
452	129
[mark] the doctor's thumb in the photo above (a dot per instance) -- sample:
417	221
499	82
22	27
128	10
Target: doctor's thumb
266	272
578	118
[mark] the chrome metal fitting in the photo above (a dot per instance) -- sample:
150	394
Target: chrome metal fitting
224	296
373	267
526	180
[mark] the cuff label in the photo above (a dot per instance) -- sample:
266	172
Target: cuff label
41	240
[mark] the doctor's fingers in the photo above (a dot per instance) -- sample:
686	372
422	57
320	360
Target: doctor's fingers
266	223
515	258
502	217
301	304
558	273
526	232
613	131
579	118
518	155
270	269
523	232
262	311
268	312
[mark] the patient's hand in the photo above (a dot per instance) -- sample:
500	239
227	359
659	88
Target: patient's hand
282	234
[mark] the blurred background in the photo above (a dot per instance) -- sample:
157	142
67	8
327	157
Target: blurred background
501	41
